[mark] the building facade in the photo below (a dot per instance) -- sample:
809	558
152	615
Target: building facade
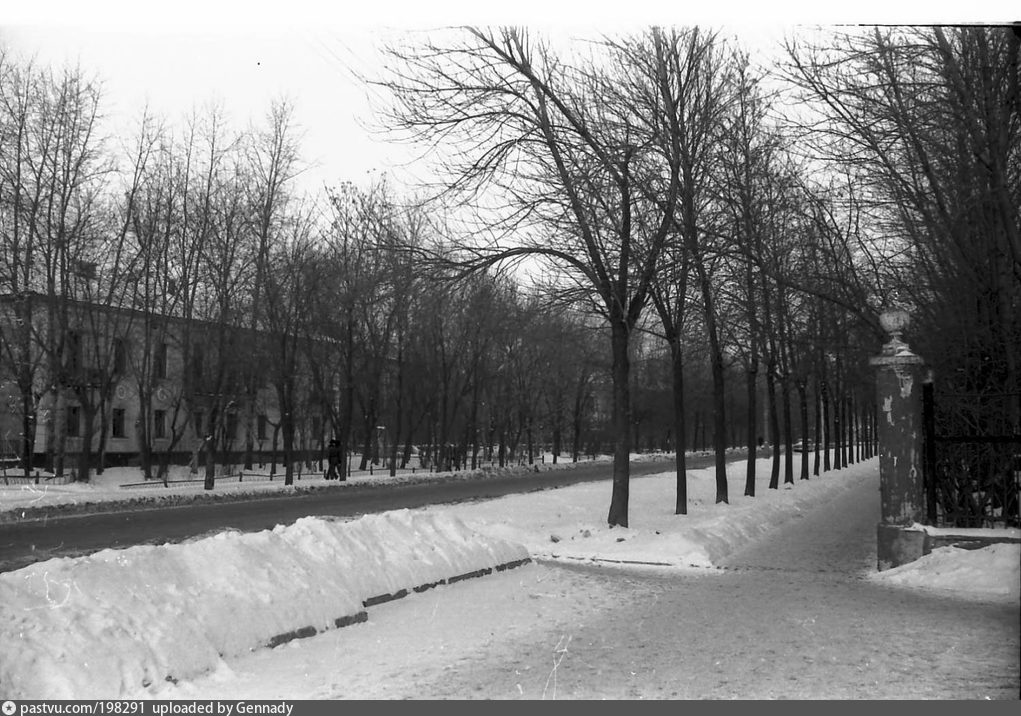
121	386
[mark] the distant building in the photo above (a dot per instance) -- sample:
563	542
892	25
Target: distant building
158	383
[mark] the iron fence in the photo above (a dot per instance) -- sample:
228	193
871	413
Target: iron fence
972	461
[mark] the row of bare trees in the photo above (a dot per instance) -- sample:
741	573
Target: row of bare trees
664	169
454	367
191	246
677	207
648	170
49	164
923	125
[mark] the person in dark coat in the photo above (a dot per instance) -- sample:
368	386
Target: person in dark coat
334	470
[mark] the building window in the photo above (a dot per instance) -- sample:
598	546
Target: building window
261	427
73	421
117	427
120	357
159	361
159	423
232	427
197	359
73	352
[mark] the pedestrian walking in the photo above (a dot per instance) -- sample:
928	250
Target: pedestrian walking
334	471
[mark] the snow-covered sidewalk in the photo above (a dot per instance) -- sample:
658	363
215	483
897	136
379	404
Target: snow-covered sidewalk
238	592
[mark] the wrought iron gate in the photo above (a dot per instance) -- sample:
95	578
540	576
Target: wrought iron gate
972	460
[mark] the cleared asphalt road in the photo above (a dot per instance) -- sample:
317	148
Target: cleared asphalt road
23	543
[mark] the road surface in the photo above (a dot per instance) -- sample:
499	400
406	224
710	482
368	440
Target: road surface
23	543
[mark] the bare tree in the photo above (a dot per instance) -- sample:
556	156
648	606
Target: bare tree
750	151
52	171
925	122
20	202
216	230
287	291
570	156
698	69
271	165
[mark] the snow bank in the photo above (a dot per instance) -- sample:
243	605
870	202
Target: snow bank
118	622
567	523
991	571
1010	533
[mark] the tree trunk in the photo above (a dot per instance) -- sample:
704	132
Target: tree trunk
826	422
803	405
142	433
843	433
287	427
774	426
368	425
29	414
530	438
838	434
85	452
752	395
249	440
788	431
818	428
210	478
28	424
576	421
473	421
57	434
857	431
556	441
273	450
677	360
621	368
346	417
398	410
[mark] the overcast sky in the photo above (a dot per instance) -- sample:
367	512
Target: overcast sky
182	55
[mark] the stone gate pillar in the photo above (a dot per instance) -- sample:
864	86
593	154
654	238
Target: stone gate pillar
899	379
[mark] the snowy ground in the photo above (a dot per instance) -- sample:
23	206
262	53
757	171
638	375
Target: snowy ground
202	613
126	484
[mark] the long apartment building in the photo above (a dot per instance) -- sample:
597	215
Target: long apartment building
143	379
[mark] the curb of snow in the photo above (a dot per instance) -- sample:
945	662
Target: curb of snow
363	616
163	613
606	560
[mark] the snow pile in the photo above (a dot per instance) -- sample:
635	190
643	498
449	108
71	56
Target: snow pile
964	534
992	570
118	622
570	524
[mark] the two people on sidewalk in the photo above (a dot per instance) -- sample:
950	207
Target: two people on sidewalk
334	470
